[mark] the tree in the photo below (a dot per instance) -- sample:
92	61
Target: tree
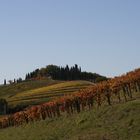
14	81
4	81
19	80
10	82
3	106
100	79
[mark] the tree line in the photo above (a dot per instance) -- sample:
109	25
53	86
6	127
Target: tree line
64	73
19	80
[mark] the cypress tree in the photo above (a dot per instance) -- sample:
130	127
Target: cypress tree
4	81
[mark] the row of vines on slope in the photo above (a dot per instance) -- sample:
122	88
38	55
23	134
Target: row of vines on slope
121	87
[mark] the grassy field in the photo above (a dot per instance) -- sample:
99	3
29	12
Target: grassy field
35	92
10	90
116	122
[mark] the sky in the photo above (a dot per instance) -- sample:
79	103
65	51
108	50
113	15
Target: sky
101	36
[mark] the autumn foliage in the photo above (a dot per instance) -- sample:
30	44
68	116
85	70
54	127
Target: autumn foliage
121	87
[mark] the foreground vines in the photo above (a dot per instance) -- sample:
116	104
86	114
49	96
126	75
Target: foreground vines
121	87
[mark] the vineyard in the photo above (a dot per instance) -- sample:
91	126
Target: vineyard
9	91
117	89
48	92
22	95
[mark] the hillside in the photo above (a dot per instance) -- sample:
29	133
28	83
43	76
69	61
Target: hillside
38	91
116	122
46	83
108	110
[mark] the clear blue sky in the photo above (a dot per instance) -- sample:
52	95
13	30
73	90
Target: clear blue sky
102	36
